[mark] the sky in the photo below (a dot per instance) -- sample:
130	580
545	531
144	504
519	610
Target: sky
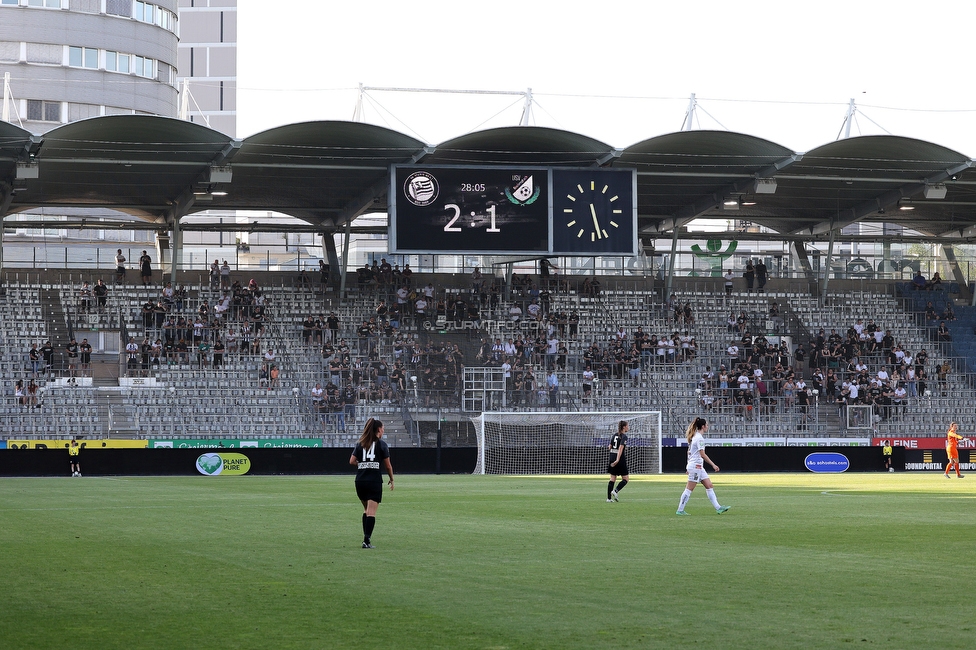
617	71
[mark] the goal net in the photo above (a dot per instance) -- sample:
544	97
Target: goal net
564	443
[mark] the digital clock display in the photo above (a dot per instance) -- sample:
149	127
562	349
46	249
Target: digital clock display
461	209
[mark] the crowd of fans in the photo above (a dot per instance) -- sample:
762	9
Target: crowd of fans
230	329
389	354
863	366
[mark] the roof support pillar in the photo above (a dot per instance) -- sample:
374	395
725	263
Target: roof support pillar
176	244
329	248
826	269
801	255
6	196
950	254
345	258
671	259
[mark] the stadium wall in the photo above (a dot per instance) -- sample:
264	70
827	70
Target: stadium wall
782	459
454	460
182	462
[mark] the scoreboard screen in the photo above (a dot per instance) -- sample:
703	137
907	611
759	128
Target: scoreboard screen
469	209
513	210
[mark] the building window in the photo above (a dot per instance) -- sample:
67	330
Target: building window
117	62
144	67
145	12
40	111
50	4
83	57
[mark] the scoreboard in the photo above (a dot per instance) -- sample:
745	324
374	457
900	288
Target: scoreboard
513	210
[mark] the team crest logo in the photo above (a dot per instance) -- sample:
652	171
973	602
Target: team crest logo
421	188
524	193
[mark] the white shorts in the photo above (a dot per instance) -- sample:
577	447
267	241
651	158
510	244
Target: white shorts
697	473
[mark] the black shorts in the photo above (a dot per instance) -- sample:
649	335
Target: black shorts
369	491
73	460
620	469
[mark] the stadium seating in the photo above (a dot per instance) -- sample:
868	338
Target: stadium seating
185	400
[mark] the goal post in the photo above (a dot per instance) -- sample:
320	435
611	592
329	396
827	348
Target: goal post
564	442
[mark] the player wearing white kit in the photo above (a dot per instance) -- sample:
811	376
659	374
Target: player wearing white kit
696	467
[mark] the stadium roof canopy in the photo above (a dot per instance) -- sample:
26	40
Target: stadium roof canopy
328	173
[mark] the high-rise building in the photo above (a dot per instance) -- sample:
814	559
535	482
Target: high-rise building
208	62
67	60
73	59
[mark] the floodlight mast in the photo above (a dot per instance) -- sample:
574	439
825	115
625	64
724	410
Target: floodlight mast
8	101
846	127
527	108
687	125
6	97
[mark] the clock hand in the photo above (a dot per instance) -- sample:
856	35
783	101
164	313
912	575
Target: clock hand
596	222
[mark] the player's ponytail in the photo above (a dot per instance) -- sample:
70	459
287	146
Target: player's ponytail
370	432
621	425
695	426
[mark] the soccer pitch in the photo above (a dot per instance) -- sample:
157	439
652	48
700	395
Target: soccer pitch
800	561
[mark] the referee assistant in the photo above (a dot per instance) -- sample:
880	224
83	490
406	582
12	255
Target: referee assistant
73	450
371	456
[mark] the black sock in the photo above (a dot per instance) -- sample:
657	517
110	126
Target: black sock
621	485
368	524
609	488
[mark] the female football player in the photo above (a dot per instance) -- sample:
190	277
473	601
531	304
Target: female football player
952	449
371	456
617	465
696	469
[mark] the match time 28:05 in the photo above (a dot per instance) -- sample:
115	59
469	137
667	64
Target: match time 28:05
472	187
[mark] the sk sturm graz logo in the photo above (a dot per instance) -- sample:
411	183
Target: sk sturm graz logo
524	191
421	188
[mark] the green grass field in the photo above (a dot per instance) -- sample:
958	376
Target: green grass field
800	561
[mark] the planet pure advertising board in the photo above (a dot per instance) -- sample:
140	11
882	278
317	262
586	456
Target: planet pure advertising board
223	464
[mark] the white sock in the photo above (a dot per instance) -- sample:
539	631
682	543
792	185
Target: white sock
684	499
713	498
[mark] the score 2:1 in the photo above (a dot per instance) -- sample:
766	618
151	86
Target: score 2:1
450	227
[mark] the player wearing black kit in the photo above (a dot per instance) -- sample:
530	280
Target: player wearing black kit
371	457
617	465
